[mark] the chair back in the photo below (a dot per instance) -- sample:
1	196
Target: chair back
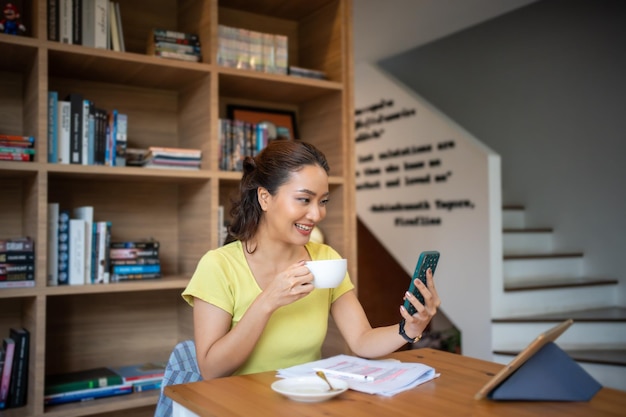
182	367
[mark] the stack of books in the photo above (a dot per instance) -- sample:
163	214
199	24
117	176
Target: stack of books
93	23
80	132
17	263
238	139
174	45
248	49
14	357
306	73
78	246
133	260
84	385
17	148
144	376
173	158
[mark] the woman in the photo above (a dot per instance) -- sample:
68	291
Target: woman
255	308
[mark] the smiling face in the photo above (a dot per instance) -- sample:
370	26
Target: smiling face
297	206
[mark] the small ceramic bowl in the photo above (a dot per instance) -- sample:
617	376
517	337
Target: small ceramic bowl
328	273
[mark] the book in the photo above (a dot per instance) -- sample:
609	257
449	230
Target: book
133	277
63	132
87	394
84	150
77	249
120	29
64	247
173	34
136	244
86	213
53	244
17	138
177	55
53	20
89	22
15	156
121	139
65	21
147	371
148	385
81	380
19	244
17	257
19	380
76	127
8	268
53	147
77	22
103	239
115	34
8	345
135	269
101	10
17	284
132	253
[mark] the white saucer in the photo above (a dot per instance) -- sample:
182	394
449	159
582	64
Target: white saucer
309	389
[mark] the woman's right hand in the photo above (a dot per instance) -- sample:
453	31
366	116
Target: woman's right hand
292	284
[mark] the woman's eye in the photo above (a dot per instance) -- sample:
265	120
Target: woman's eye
324	202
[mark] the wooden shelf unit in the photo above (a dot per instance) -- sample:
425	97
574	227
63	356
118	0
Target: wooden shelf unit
169	103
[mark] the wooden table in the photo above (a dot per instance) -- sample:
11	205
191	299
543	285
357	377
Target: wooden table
452	394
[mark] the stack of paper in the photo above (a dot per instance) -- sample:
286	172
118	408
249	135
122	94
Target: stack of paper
381	377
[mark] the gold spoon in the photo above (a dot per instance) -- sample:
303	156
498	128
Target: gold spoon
322	375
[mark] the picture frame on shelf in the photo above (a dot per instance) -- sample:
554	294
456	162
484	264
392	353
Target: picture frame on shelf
282	123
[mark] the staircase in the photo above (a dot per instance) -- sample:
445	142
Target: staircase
542	287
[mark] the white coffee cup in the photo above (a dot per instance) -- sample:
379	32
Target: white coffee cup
328	273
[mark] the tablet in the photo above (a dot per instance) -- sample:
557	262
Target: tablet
549	335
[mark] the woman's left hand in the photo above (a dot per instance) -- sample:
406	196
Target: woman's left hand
415	324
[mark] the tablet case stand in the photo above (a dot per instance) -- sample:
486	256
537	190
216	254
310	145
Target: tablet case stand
549	375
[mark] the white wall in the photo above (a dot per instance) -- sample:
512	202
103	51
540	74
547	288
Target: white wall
551	102
469	237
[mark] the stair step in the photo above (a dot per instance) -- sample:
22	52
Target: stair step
613	357
513	207
523	241
604	314
512	257
522	267
527	230
551	283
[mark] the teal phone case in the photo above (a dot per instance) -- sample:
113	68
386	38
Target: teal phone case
427	259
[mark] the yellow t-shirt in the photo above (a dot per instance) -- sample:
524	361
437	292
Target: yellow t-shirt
295	332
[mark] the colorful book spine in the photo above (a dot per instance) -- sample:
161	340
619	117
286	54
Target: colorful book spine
19	378
64	247
53	117
87	394
8	345
81	380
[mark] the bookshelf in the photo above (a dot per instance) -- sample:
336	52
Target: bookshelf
169	103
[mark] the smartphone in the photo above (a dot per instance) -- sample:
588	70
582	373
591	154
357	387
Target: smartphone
427	259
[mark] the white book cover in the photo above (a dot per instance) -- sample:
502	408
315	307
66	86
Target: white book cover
84	157
78	233
53	244
86	213
103	233
63	125
89	22
102	24
65	21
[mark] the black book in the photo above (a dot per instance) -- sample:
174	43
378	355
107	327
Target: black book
53	20
76	127
19	376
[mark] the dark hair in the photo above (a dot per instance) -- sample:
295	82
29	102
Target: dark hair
270	169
